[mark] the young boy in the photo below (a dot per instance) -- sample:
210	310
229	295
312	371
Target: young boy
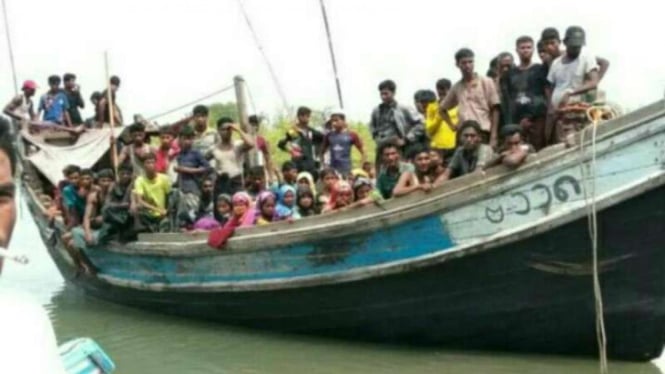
340	141
149	198
191	169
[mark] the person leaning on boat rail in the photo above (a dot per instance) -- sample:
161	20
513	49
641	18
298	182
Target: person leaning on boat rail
391	169
471	156
422	178
514	151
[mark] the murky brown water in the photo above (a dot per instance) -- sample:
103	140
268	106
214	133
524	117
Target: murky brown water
141	342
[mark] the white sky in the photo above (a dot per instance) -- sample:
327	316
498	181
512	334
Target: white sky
170	52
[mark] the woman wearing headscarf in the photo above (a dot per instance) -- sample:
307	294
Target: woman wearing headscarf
306	179
341	197
286	204
265	208
305	202
243	216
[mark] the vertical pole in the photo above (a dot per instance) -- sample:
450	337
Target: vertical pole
109	101
243	116
9	45
332	53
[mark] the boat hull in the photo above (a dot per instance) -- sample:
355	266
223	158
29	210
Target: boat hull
534	295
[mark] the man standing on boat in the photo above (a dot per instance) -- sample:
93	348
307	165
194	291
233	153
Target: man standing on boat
191	167
54	104
339	142
394	123
73	93
476	97
21	107
524	99
102	112
301	140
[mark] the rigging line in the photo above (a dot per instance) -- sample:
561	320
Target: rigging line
273	74
9	45
332	53
185	106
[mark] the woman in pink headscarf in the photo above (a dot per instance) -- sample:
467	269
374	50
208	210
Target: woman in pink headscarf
341	197
244	215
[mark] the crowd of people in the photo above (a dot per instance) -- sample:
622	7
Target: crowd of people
206	179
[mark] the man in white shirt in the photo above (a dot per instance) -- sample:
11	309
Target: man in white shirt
575	73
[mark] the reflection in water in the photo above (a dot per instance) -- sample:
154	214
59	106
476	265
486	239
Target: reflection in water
142	342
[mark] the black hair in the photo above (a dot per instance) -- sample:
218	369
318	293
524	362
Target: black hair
491	71
136	127
149	156
443	84
87	172
105	173
288	165
385	146
68	77
540	46
96	96
71	169
254	119
416	150
115	80
6	143
503	55
126	168
550	33
303	111
524	39
463	53
167	130
470	124
388	85
54	79
326	172
256	172
510	130
223	121
200	110
424	96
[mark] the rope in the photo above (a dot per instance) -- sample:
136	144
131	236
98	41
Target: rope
594	114
273	75
332	53
9	45
185	106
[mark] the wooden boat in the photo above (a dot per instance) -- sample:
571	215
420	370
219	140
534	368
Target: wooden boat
501	261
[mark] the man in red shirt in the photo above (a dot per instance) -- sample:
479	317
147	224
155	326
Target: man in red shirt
167	152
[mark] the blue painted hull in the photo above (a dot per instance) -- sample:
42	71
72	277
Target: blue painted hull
532	295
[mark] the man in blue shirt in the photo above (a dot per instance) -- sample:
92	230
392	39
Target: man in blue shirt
191	168
54	104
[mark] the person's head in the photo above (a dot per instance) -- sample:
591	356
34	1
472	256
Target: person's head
54	83
166	137
137	133
149	164
105	178
524	48
255	122
186	139
29	88
464	59
575	39
342	194
470	131
114	83
421	160
387	91
265	203
338	120
305	179
329	177
257	179
72	173
86	179
200	114
241	204
224	128
362	187
125	174
95	97
70	80
551	41
287	195
305	198
435	159
303	115
289	172
545	57
368	167
207	187
422	98
506	62
389	155
493	70
512	136
7	186
443	85
223	205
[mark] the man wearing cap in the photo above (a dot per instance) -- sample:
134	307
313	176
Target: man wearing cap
340	141
21	107
54	104
551	45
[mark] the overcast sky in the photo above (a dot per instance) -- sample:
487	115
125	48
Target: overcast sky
169	52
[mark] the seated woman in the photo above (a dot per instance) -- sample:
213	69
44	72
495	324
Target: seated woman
305	202
422	178
305	180
243	215
286	204
265	208
221	215
365	193
341	197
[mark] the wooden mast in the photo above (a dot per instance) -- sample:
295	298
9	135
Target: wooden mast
243	115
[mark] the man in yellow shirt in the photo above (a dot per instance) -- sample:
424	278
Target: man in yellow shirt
442	136
150	198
